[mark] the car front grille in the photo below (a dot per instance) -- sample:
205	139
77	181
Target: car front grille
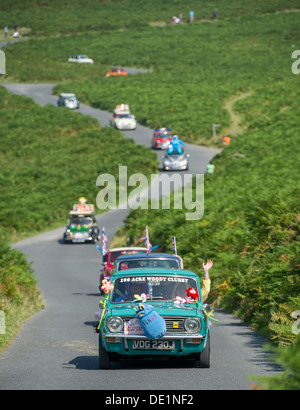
174	324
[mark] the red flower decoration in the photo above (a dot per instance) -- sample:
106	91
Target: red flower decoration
192	293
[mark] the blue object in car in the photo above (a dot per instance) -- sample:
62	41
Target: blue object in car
154	326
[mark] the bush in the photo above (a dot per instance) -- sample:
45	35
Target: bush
51	157
19	293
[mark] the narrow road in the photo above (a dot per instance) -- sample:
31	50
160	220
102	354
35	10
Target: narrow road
58	349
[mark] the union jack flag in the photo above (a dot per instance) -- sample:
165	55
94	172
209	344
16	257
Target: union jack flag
104	242
174	246
146	239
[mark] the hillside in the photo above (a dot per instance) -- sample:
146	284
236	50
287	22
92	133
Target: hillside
250	226
195	68
50	157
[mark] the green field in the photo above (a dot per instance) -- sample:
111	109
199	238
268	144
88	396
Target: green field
195	68
250	226
50	157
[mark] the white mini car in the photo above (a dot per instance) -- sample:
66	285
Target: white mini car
68	100
123	119
80	58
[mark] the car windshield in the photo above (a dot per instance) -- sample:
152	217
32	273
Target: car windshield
155	287
148	263
175	155
81	221
163	136
114	255
123	115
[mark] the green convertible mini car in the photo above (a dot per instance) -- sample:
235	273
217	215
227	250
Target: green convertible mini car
169	299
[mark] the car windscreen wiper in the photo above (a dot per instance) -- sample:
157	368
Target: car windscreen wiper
155	298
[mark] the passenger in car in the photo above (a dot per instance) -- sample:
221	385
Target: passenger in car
205	288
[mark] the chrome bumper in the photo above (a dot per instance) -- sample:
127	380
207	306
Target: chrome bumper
166	336
180	337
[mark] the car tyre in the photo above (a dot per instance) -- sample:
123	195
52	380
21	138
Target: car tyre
204	357
104	357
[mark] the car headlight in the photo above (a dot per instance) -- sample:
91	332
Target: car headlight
114	324
192	325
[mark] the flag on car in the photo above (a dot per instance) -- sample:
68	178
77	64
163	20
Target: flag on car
174	247
104	242
146	239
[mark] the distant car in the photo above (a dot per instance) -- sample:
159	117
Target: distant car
175	162
80	58
82	226
68	100
149	260
123	119
116	72
186	333
161	138
113	254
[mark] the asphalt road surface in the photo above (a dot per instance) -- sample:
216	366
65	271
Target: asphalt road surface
58	347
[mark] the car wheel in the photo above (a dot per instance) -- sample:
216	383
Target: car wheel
204	357
104	357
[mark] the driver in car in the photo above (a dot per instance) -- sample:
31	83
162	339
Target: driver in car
135	289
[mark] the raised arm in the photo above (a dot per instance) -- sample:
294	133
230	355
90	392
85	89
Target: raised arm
206	267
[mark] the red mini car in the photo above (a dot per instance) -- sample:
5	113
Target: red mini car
161	138
112	255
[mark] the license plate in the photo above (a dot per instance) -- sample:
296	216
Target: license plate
79	237
153	345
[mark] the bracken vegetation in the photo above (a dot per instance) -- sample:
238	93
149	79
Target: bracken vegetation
250	226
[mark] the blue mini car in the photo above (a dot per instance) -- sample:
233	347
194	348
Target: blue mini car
148	260
164	292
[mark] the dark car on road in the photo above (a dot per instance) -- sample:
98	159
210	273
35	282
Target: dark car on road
149	260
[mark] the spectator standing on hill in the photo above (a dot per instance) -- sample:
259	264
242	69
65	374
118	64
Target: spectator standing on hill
210	168
5	31
215	14
191	16
226	140
16	27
